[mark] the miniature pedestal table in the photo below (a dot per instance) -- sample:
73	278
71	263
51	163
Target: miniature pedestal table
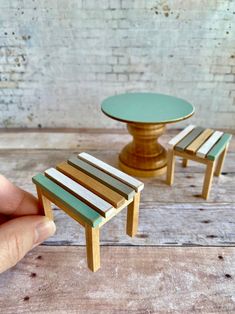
146	115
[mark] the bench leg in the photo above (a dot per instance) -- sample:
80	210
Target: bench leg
220	162
208	179
133	216
170	167
93	247
185	162
45	204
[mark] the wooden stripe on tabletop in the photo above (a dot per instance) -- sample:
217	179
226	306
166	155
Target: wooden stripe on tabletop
93	185
198	142
188	139
181	135
114	172
100	205
104	178
219	146
206	147
73	204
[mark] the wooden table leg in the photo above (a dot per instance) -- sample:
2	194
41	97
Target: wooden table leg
170	167
93	247
133	216
185	162
220	162
44	204
144	156
208	179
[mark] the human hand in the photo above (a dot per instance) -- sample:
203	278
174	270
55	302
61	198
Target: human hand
21	225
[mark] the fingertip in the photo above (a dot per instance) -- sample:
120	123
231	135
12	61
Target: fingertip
20	235
45	229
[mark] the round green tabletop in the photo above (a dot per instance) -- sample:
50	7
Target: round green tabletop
147	108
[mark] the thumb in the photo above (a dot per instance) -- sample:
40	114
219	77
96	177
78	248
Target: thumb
20	235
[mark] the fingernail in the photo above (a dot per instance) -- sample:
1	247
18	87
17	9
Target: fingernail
44	230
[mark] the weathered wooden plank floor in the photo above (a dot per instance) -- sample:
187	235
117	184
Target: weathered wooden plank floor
155	272
131	280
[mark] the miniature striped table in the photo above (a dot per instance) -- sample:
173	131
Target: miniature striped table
91	192
202	145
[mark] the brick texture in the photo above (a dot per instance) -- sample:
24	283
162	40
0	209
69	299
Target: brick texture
60	58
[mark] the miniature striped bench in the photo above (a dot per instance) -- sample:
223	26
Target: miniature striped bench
202	145
91	192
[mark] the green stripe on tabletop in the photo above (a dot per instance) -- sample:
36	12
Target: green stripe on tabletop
102	177
187	140
76	206
219	147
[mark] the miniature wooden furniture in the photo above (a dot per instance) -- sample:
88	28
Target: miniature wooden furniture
146	115
203	145
91	192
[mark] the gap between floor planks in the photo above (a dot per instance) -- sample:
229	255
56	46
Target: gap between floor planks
186	189
48	158
161	225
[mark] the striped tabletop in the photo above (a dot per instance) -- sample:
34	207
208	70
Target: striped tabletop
204	143
87	188
103	177
100	205
93	185
77	207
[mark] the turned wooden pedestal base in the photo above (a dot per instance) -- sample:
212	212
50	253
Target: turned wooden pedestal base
144	156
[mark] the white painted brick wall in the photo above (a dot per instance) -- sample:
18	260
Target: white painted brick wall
60	58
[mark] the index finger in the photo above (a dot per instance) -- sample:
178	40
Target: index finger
15	201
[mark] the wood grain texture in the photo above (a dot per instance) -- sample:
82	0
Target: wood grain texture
188	139
116	173
80	140
101	206
93	185
204	224
119	187
73	204
188	181
50	158
178	280
144	156
184	203
177	215
75	140
193	147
